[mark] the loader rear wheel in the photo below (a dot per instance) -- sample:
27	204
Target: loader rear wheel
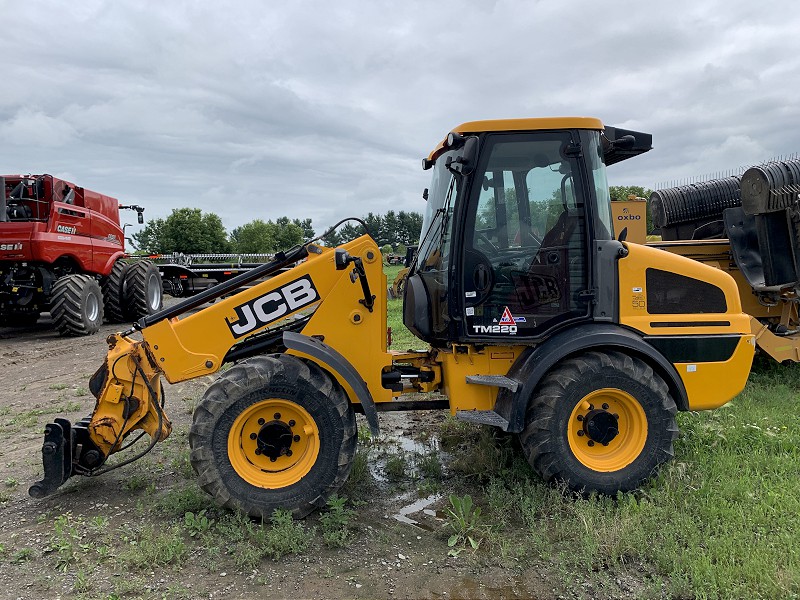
142	290
112	285
273	432
76	305
600	422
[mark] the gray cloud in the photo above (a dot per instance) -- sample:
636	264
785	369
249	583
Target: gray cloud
322	110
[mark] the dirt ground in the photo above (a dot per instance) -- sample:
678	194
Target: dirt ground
390	556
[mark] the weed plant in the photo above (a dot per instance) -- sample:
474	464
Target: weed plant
336	522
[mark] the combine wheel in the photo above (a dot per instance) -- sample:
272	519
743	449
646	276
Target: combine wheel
113	303
273	432
600	422
76	305
141	290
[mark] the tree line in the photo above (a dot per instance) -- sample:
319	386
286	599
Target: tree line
192	231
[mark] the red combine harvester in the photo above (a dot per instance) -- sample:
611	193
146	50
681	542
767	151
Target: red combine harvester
61	249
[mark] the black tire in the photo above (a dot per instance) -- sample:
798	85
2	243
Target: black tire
112	286
262	394
76	305
142	290
580	404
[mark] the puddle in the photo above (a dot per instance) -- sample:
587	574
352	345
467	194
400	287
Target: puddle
420	504
399	443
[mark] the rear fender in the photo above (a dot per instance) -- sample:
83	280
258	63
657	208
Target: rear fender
533	364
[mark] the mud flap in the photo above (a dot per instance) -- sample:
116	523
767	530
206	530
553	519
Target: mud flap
56	458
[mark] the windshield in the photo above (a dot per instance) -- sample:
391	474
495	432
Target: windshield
436	223
433	257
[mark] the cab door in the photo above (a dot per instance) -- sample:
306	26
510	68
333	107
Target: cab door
525	260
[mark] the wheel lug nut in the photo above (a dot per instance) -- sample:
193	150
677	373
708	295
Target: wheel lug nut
258	450
616	416
580	417
253	436
605	443
581	433
296	438
591	442
277	416
288	453
605	406
272	459
261	421
591	407
292	423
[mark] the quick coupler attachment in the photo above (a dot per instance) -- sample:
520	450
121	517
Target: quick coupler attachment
66	450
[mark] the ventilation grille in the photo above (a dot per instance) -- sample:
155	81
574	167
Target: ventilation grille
674	294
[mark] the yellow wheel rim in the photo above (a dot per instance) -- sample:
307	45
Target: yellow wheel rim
273	444
592	427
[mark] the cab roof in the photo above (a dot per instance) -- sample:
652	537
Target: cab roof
532	124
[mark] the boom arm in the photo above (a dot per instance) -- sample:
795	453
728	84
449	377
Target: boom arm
326	295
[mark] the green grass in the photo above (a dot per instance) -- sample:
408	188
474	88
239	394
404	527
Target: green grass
718	522
402	338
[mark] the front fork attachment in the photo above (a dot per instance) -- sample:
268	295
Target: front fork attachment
67	450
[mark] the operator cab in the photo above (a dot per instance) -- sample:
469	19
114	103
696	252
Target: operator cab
26	198
513	212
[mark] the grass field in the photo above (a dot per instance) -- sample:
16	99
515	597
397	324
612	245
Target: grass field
720	521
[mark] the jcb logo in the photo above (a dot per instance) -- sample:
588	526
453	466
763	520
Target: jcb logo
272	306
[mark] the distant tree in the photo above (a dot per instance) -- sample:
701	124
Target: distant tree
259	237
392	228
409	228
621	192
350	231
288	234
148	240
187	230
255	237
376	229
308	230
333	239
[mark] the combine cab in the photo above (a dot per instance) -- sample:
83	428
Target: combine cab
61	249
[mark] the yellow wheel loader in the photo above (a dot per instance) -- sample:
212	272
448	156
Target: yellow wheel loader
536	320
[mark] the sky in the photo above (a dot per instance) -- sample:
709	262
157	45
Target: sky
323	110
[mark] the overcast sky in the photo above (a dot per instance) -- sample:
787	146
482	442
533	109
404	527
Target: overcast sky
257	109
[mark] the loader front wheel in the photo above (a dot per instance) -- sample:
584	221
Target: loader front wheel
600	422
274	432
